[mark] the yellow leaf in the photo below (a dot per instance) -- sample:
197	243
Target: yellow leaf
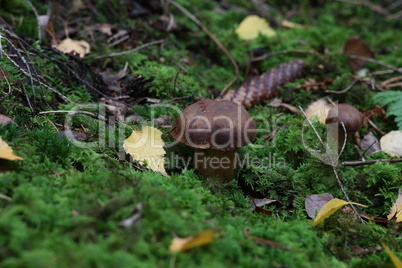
330	207
318	110
146	146
69	45
6	152
183	244
397	262
396	209
252	26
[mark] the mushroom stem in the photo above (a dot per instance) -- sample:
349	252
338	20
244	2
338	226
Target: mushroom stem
212	163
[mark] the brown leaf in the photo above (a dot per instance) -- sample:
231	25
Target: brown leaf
370	144
5	120
355	46
315	202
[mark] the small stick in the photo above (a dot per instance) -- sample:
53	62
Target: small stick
125	51
215	39
397	70
174	99
332	165
369	162
297	51
376	62
376	8
376	127
93	115
345	90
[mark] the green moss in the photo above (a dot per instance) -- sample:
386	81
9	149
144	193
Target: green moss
61	206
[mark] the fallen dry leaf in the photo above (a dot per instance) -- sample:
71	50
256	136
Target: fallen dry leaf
5	120
397	262
183	244
396	209
391	143
258	204
146	146
355	46
252	26
330	207
69	45
318	110
314	203
6	152
370	144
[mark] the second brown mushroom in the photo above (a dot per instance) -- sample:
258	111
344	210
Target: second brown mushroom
215	129
351	119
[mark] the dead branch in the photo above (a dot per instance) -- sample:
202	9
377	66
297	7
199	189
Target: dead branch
369	162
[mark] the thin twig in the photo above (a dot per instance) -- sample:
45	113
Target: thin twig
215	39
375	127
376	8
376	62
126	51
93	115
397	70
174	99
296	51
312	126
394	16
369	162
345	90
345	135
37	80
333	161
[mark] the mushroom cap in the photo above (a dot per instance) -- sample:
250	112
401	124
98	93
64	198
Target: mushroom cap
349	115
214	124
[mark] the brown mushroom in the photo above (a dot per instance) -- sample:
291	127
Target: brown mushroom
215	129
349	116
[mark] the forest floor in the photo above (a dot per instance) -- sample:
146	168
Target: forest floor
72	197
